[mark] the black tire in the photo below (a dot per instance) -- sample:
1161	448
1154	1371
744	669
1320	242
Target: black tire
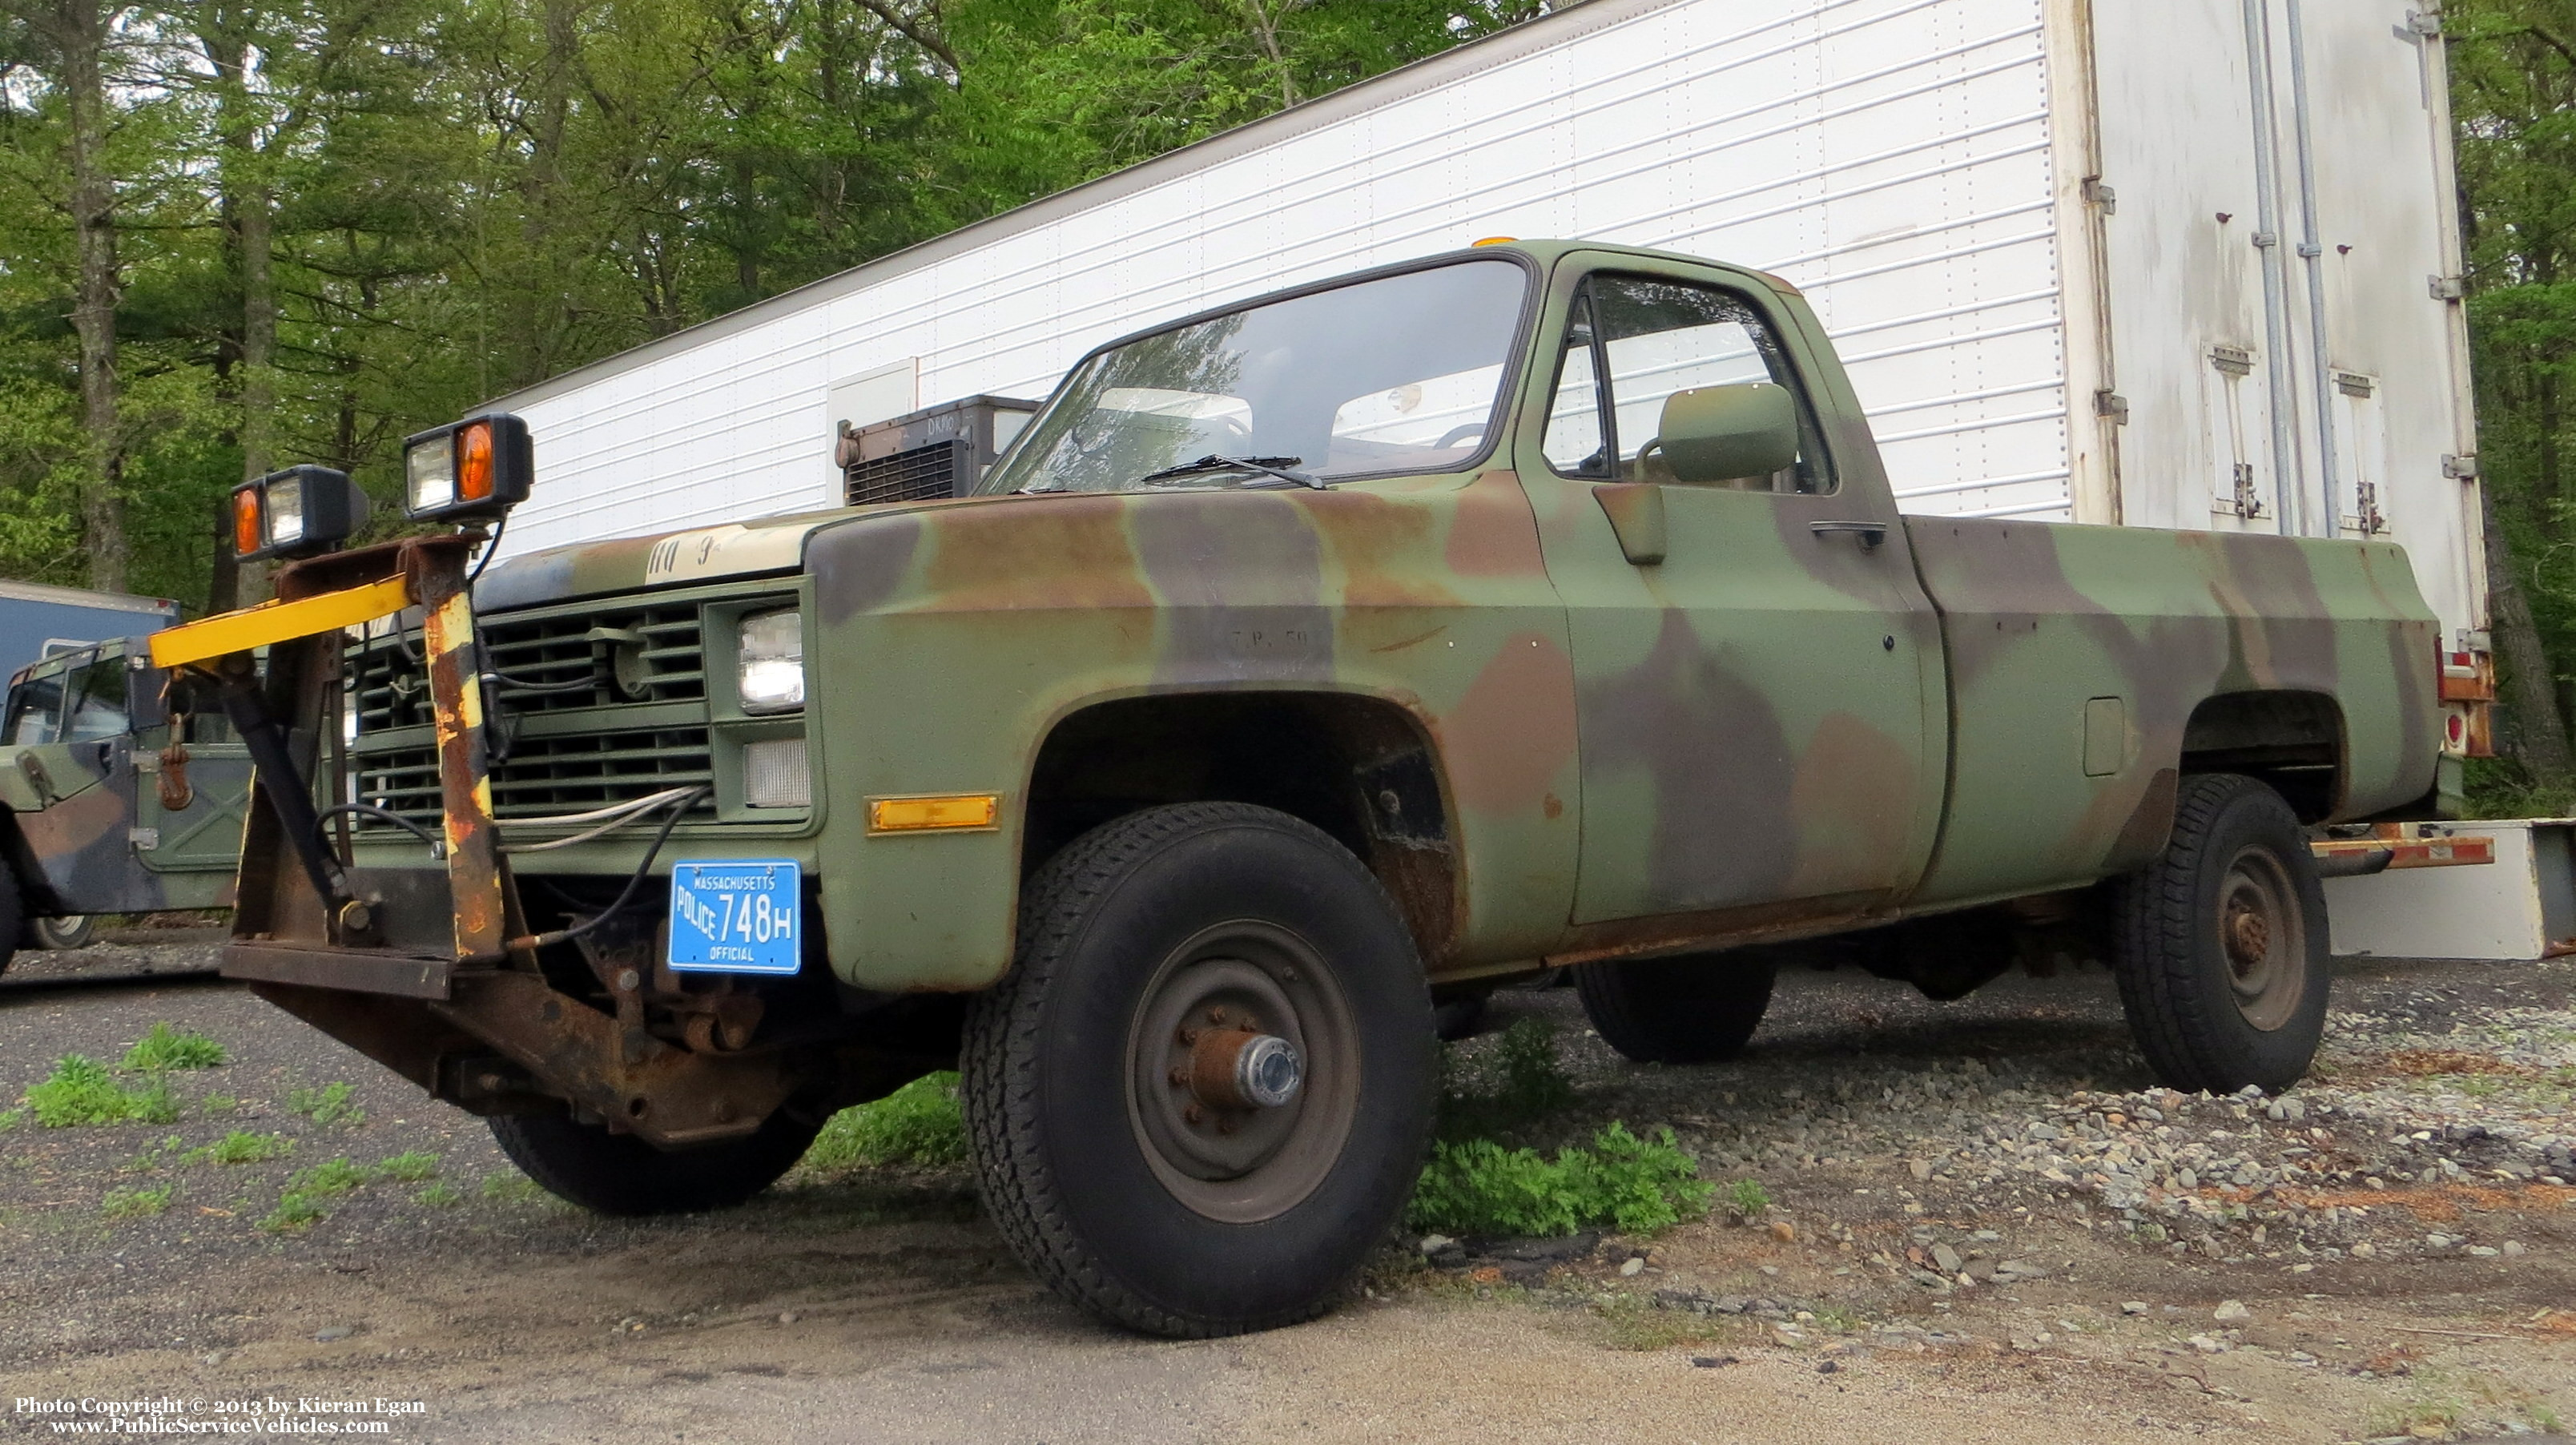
13	914
621	1174
1696	1009
2220	945
62	934
1101	1172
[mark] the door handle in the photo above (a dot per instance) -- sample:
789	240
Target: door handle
1871	534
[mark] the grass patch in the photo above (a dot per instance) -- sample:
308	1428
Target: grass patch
1630	1322
409	1168
510	1188
242	1147
152	1157
302	1202
1528	1084
326	1105
1630	1184
218	1104
163	1048
81	1091
1745	1199
918	1124
441	1195
136	1203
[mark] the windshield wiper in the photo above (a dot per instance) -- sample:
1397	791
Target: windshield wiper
1267	466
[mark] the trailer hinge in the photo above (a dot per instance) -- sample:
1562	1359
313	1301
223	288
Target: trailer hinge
2421	25
2460	468
2113	405
2447	288
2098	194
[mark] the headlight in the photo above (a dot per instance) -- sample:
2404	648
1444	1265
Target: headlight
472	470
770	674
299	512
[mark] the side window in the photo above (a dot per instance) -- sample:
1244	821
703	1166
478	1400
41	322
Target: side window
98	701
1574	444
35	710
1663	336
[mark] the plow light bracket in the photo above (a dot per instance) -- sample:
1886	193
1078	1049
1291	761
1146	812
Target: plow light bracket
299	512
473	470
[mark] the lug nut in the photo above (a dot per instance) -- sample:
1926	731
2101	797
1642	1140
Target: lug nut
1178	1077
1194	1114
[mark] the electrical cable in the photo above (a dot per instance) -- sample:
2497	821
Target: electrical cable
624	813
624	897
437	845
488	549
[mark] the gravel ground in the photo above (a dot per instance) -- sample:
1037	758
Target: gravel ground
1985	1224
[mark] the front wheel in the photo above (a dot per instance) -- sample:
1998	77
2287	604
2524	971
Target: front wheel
620	1174
1200	1099
2220	945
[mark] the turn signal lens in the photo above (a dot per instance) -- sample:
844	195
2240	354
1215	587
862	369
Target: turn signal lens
474	463
246	537
910	815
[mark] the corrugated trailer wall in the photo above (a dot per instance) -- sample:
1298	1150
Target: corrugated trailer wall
1891	156
1919	167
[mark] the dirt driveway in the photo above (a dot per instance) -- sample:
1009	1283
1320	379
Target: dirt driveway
1984	1227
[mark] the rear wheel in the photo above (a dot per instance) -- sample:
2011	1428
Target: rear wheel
2220	945
73	931
13	913
1199	1101
1695	1009
621	1174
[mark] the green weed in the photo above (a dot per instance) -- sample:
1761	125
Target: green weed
440	1195
81	1091
301	1202
505	1188
1633	1185
152	1157
326	1105
242	1147
1631	1323
409	1168
918	1124
11	1119
293	1212
164	1048
1529	1084
218	1104
136	1203
1745	1199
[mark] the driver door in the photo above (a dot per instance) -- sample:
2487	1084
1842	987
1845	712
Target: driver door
1760	705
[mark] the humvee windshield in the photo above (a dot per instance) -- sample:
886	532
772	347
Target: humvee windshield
1398	374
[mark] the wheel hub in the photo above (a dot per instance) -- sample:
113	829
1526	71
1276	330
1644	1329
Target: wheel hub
2263	937
1238	1068
2249	938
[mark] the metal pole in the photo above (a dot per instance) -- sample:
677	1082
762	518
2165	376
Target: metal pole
2267	240
2312	250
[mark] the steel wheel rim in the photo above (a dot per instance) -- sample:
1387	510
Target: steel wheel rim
1246	1165
2262	938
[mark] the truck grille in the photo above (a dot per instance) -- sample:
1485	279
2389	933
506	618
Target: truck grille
609	705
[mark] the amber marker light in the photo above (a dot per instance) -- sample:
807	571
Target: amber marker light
246	531
922	815
1497	240
474	463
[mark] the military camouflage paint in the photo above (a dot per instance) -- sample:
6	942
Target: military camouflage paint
1770	730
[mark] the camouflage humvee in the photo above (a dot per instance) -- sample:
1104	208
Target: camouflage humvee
113	803
1534	606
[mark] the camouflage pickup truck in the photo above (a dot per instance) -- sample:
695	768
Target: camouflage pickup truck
1305	662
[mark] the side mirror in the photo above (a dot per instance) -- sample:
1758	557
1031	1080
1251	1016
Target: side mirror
1720	433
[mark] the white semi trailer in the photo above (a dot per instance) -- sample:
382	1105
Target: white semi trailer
2188	263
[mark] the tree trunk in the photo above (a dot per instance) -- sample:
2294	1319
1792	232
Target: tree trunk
2540	733
83	33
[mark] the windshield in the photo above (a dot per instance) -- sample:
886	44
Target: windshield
1400	374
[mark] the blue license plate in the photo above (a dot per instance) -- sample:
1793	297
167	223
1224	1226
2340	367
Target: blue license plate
739	916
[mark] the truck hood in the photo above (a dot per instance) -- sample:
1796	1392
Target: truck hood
668	559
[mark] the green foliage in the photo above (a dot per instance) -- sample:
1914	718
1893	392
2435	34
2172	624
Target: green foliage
136	1203
326	1105
918	1124
410	1168
1527	1084
164	1048
1746	1199
82	1091
505	1188
152	1156
218	1104
242	1147
308	1193
441	1195
1634	1185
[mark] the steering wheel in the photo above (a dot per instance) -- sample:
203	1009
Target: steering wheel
1457	434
